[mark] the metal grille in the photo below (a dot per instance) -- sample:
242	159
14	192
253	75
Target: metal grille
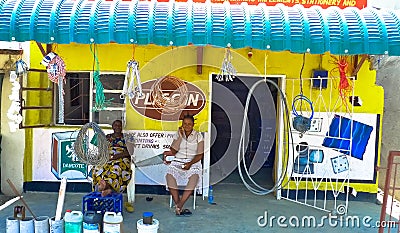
390	216
318	172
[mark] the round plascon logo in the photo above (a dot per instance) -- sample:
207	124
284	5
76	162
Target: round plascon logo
169	98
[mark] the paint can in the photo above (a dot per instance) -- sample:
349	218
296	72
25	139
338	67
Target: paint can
42	224
112	222
92	222
27	225
12	225
56	226
147	218
73	222
147	228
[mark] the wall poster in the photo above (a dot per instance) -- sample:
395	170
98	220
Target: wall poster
337	146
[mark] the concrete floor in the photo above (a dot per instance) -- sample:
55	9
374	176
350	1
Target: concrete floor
237	210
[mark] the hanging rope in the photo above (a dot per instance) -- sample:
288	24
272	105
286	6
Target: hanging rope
169	94
132	73
165	101
8	65
100	100
302	123
56	72
93	151
227	70
344	87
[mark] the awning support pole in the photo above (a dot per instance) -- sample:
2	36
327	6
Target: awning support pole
358	67
200	59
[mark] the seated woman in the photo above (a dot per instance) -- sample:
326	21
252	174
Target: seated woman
115	175
185	168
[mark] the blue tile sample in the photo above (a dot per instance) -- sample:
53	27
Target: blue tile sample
339	138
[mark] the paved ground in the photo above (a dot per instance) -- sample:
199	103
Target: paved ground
4	198
237	210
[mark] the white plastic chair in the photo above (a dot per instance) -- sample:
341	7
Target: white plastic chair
130	189
197	190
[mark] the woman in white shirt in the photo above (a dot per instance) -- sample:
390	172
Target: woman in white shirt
185	169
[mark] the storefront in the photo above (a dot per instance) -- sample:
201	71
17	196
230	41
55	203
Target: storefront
302	50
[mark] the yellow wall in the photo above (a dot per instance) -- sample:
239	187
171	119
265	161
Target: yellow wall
156	61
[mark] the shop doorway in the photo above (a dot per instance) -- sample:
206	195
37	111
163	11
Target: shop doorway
228	103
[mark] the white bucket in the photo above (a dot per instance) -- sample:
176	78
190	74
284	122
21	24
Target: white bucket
56	226
26	225
147	228
42	224
12	225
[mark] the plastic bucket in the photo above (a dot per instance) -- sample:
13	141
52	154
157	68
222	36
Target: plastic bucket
42	224
27	225
148	218
12	225
56	226
147	228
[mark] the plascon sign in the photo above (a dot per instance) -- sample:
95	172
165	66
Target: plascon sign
169	98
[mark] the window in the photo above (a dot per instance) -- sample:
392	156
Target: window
79	99
76	99
115	107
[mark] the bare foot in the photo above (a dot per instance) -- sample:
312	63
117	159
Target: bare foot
177	210
106	192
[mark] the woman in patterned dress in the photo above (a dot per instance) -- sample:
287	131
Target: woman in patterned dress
115	175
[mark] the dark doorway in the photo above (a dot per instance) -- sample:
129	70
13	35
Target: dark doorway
228	102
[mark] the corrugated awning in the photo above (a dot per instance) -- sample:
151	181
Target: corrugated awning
277	28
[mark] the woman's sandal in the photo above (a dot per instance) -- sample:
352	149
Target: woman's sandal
129	207
182	213
186	213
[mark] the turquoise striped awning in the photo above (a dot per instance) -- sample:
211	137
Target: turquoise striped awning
276	28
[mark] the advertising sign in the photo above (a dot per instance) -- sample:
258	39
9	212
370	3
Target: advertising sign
168	98
148	158
64	161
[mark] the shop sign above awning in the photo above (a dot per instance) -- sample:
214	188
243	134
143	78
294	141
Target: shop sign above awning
277	28
360	4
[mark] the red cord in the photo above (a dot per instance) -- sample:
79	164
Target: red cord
344	85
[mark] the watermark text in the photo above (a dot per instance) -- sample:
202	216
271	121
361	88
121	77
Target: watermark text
323	221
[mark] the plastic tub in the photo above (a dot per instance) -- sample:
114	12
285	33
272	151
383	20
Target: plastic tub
147	228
